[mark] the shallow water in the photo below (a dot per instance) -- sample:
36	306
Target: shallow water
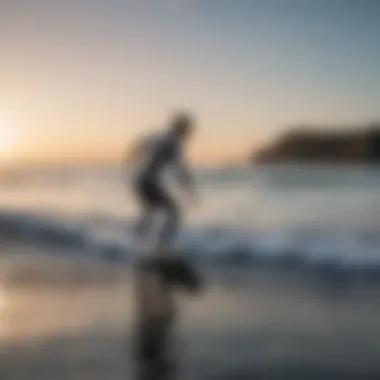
317	215
291	258
247	322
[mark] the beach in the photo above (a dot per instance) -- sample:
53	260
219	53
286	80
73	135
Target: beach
241	137
290	259
255	323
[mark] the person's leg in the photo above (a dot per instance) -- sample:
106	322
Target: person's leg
144	222
171	225
158	199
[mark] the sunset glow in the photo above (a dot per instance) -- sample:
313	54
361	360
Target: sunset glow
80	79
7	140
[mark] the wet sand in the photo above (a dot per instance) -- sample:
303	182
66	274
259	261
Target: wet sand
248	324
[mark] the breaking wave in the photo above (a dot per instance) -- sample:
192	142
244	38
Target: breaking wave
107	238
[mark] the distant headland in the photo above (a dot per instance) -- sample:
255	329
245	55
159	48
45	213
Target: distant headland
308	145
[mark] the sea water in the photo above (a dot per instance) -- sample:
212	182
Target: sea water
319	214
291	258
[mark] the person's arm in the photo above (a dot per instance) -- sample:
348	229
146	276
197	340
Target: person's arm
137	149
184	174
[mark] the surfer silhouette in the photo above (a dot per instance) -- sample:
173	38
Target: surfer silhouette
162	274
153	155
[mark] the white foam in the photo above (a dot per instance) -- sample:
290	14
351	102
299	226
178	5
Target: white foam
348	249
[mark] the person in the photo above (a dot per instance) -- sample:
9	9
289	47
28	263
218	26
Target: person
155	154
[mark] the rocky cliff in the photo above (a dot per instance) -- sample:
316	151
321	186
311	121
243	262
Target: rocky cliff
302	145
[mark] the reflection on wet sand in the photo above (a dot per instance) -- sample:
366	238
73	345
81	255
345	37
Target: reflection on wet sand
4	306
39	314
260	325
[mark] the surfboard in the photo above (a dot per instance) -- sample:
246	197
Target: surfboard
172	271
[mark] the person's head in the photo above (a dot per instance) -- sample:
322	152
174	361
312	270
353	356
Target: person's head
182	124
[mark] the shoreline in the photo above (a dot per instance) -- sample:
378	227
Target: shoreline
247	323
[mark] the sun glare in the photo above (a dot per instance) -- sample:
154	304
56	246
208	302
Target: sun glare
7	140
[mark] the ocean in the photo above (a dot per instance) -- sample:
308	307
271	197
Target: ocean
321	215
290	254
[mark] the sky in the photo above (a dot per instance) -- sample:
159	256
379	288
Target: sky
81	78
